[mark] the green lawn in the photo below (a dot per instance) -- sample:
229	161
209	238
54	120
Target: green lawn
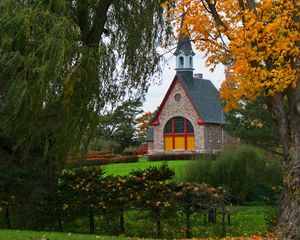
31	235
124	168
246	220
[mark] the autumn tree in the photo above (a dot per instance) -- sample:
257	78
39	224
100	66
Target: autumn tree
63	63
143	122
259	41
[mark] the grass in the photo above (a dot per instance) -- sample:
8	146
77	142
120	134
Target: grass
31	235
124	168
246	220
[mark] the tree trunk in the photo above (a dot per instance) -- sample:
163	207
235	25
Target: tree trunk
122	223
286	112
158	226
188	233
7	218
212	215
92	222
289	221
60	227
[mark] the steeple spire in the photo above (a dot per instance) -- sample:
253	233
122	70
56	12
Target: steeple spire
184	52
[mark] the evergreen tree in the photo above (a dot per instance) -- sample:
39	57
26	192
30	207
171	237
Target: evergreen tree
253	124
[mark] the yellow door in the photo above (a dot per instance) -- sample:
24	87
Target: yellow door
179	143
168	143
190	143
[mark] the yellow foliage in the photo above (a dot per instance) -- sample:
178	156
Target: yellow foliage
257	44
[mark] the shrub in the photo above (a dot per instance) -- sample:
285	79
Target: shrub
130	151
125	159
240	169
100	158
175	156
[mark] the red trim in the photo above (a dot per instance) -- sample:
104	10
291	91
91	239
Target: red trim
155	123
178	134
165	98
185	137
184	134
200	121
173	137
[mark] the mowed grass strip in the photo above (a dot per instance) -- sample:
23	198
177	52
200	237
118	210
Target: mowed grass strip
32	235
123	169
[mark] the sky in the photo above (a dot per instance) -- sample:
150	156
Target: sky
157	91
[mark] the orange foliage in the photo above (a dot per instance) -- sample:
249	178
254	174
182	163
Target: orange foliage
268	237
144	122
257	40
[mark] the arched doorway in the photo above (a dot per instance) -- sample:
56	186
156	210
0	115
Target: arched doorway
179	134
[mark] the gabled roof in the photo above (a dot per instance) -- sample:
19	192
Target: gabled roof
203	95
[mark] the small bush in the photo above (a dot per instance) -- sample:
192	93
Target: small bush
125	159
102	160
240	169
166	157
130	151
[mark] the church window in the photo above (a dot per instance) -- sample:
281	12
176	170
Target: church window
181	62
179	134
191	62
177	97
210	134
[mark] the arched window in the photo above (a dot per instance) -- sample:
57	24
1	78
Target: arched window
179	134
191	62
181	62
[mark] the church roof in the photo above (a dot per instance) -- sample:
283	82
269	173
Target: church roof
204	96
184	45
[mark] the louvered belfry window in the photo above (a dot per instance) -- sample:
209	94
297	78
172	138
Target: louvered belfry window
179	134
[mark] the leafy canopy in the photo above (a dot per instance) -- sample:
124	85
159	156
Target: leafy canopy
258	40
65	62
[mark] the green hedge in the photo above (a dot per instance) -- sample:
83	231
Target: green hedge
166	157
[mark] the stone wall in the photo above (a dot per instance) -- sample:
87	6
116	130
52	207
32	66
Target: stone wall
173	108
216	139
209	138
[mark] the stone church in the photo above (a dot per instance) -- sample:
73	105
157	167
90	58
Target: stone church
190	116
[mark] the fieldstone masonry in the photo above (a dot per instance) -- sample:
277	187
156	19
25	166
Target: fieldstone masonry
172	109
209	138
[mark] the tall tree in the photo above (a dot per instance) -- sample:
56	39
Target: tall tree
118	126
63	62
253	124
260	41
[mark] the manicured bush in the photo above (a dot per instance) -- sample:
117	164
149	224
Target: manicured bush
166	157
130	151
93	159
125	159
86	195
80	193
240	169
193	197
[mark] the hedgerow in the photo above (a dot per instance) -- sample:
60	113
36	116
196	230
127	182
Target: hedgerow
86	192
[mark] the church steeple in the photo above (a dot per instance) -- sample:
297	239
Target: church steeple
184	52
